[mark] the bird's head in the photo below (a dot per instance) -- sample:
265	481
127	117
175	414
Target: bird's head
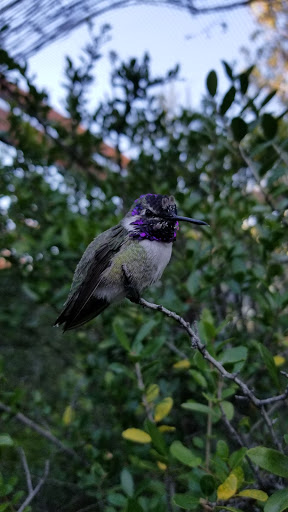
154	217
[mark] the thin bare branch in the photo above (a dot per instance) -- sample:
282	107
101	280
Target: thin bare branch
35	491
269	424
26	469
176	350
40	430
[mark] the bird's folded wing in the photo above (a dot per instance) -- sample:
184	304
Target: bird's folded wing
100	260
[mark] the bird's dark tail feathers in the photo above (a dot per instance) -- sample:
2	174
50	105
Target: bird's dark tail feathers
70	317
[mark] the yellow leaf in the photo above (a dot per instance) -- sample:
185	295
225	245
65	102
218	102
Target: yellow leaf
161	465
254	493
279	360
163	408
238	472
228	488
136	435
166	428
152	392
182	365
68	415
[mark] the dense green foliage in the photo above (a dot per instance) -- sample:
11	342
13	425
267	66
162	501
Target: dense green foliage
132	368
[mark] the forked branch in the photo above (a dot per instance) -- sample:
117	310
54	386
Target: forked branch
198	345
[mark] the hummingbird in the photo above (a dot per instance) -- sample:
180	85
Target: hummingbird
124	260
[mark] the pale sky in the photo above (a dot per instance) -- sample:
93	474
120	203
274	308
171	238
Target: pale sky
170	36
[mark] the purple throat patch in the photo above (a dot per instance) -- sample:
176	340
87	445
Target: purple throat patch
144	232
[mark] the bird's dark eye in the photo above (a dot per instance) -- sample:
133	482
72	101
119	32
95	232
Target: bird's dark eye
148	213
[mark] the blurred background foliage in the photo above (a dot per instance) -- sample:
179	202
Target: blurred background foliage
130	368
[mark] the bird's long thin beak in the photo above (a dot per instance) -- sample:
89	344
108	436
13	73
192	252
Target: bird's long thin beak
186	219
193	221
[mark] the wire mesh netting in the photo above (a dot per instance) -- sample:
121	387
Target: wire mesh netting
28	25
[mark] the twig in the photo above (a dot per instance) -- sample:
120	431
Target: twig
282	154
141	387
236	436
196	344
35	491
26	469
40	430
175	349
240	441
208	436
271	429
256	425
170	491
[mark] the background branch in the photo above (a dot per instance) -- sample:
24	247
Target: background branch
40	430
35	491
26	469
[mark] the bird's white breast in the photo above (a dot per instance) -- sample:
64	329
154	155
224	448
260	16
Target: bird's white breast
159	254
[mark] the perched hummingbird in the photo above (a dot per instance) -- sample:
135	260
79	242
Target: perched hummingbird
123	260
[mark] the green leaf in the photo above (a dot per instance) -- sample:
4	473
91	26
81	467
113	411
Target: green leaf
239	473
184	455
269	459
200	362
198	378
127	482
222	449
233	355
202	408
270	363
228	70
207	484
4	506
6	440
278	502
121	335
268	98
228	409
157	438
211	83
239	128
244	79
145	330
207	326
187	501
117	499
133	506
269	125
227	100
244	83
236	457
